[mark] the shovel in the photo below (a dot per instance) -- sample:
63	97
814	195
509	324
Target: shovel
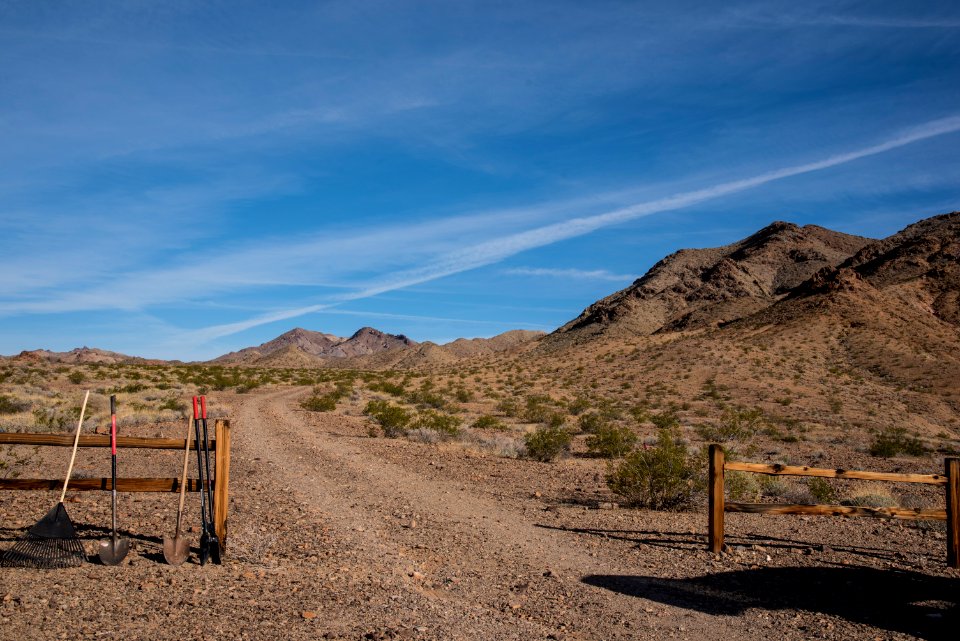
113	551
209	542
177	549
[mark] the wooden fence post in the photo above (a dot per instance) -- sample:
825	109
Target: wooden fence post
715	519
952	469
221	486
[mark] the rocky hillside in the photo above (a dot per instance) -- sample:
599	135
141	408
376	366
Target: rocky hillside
80	355
303	347
696	288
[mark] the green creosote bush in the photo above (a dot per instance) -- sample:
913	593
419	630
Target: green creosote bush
737	424
611	441
591	422
578	405
742	486
175	405
10	405
446	424
665	420
822	491
547	443
663	477
393	419
892	441
509	407
76	377
487	422
320	403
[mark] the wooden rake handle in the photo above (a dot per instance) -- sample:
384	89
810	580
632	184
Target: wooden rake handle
76	441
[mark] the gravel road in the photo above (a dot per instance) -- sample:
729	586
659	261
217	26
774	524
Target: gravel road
337	535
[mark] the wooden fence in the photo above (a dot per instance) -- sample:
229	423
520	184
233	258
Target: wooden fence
220	484
950	480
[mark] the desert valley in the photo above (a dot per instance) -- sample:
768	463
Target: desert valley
536	485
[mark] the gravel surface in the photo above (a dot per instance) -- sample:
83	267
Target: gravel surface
337	535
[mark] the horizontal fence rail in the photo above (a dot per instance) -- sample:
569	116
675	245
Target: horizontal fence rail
95	440
219	485
718	504
803	470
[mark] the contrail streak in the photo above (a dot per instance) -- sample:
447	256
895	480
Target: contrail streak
496	250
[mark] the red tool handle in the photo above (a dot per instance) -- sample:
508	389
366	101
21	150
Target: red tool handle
196	410
113	425
203	407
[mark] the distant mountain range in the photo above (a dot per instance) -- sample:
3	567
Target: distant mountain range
784	276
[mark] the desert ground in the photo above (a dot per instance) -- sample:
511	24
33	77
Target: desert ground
338	532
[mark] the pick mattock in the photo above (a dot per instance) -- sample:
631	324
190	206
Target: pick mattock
115	550
52	542
177	549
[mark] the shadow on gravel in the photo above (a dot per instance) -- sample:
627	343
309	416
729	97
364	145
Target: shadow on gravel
908	602
688	541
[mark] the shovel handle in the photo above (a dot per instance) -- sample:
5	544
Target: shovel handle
113	425
203	407
196	409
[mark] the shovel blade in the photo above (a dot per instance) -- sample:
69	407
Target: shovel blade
176	549
113	551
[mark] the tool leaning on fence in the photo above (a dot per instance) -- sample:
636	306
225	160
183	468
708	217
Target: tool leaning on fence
209	542
177	549
52	542
112	552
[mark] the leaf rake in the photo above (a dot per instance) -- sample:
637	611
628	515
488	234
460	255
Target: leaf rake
52	542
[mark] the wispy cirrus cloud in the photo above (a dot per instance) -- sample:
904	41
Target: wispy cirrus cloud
502	247
580	274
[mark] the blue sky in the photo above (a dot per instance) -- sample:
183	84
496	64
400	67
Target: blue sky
182	179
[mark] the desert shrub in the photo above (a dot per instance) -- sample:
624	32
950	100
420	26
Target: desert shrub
661	478
76	377
822	491
501	445
537	409
392	418
394	389
895	440
547	442
591	422
611	441
463	395
509	407
10	405
665	420
445	424
556	419
320	403
487	422
424	435
772	486
639	413
50	419
173	404
742	486
426	396
578	405
870	499
737	424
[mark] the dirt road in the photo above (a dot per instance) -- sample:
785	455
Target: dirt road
334	534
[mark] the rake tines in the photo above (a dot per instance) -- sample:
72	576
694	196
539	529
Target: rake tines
51	543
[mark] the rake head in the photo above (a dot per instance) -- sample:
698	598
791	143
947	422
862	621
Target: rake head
51	543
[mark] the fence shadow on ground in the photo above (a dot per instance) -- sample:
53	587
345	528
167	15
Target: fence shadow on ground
687	541
908	602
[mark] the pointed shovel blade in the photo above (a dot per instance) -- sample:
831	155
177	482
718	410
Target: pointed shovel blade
113	551
176	549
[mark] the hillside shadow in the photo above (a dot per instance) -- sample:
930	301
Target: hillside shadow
907	602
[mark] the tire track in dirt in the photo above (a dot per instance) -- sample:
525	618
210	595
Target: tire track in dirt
474	560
